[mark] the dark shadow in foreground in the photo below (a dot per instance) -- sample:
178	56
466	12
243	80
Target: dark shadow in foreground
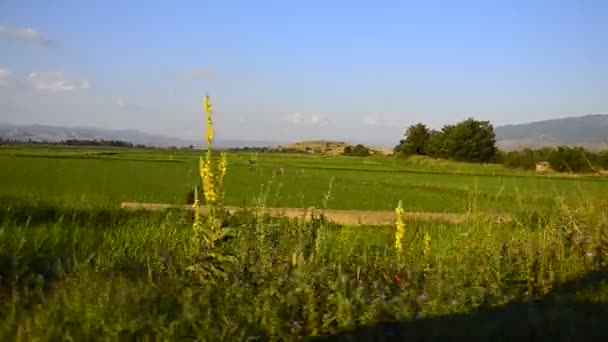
573	311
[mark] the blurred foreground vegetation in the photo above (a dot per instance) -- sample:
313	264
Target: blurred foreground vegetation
101	274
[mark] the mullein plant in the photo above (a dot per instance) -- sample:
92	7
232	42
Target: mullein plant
212	178
426	250
212	263
400	227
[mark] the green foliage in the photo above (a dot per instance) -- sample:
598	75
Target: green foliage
469	140
357	150
438	146
599	160
525	159
89	274
561	159
474	141
569	159
416	141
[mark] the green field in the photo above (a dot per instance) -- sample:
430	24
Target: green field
75	267
104	177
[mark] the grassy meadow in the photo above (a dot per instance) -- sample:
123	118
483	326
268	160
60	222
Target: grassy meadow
106	177
75	267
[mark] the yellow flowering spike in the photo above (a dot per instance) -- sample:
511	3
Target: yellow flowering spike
211	172
207	107
201	166
223	165
400	227
208	181
210	132
195	206
426	251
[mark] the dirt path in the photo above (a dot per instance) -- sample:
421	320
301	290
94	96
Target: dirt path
346	217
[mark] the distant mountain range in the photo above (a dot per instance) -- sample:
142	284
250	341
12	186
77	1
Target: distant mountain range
590	131
45	133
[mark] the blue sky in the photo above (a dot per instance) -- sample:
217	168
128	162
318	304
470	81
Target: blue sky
290	70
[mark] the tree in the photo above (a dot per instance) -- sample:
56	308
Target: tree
525	159
358	150
469	140
416	140
602	160
569	159
437	146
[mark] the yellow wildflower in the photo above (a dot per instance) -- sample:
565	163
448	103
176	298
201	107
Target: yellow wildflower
211	174
223	165
195	206
426	249
208	182
210	131
400	225
207	107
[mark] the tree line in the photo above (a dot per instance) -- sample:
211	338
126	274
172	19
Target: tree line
74	142
561	159
469	140
474	141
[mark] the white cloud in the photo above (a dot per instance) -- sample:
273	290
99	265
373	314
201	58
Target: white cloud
5	76
380	121
371	121
298	119
126	104
120	102
56	81
196	74
25	34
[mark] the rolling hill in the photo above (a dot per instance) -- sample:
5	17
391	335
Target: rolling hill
330	147
46	133
590	131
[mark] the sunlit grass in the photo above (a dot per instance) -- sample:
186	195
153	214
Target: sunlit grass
297	181
92	273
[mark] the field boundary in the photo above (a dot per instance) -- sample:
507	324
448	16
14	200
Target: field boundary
346	217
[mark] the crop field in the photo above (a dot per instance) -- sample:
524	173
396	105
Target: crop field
74	266
104	177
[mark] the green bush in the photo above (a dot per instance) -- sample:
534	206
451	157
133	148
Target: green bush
469	140
358	151
525	159
416	141
569	159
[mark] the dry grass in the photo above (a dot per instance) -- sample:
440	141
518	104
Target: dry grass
329	147
345	217
319	147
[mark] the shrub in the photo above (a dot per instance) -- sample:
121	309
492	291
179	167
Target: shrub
469	140
358	151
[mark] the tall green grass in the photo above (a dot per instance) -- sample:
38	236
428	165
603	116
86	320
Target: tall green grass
101	274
